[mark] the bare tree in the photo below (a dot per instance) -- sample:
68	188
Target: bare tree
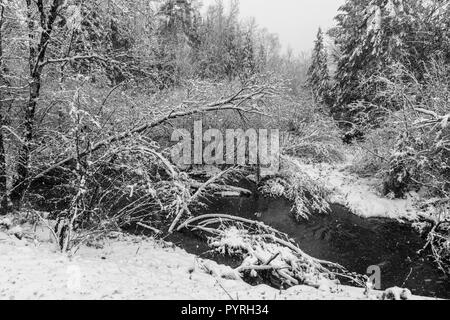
37	54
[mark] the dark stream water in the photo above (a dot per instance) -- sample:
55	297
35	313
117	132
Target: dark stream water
341	237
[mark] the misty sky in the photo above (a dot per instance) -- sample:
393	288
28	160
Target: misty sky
295	21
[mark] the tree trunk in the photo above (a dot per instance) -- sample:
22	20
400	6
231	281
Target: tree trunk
20	184
3	177
36	64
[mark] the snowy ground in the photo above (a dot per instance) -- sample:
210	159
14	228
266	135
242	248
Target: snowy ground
130	268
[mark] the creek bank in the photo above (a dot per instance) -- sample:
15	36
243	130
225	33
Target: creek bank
129	267
361	195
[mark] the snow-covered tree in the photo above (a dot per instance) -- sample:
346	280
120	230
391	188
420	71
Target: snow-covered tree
227	47
248	56
318	77
373	35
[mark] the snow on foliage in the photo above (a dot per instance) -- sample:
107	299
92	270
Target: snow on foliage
307	196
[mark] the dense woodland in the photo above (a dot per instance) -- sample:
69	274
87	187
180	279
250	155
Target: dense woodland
90	92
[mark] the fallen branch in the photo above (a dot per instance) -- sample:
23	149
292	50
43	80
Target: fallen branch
287	261
217	187
224	217
258	268
427	112
149	228
178	218
205	185
300	252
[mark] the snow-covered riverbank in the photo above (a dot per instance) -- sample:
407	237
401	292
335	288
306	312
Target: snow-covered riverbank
128	267
131	268
360	195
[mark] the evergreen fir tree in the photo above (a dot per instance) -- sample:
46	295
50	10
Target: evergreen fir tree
374	35
248	57
318	77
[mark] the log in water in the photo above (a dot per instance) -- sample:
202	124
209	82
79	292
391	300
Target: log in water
354	242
